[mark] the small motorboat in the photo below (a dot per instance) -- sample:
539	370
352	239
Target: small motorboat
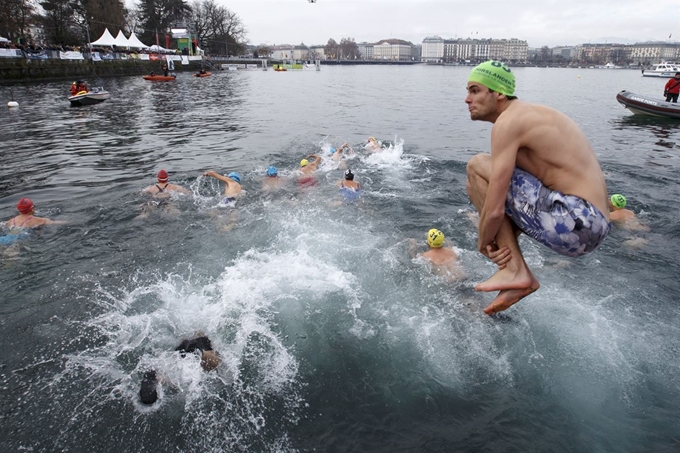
159	78
205	74
664	69
643	105
94	95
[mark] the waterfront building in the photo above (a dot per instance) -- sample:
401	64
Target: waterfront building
432	50
317	52
393	49
366	50
456	50
655	52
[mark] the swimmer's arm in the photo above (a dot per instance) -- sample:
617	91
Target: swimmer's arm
504	147
222	178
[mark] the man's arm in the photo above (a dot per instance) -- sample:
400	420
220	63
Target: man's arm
224	179
504	147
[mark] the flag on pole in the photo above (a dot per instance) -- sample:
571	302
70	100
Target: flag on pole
669	36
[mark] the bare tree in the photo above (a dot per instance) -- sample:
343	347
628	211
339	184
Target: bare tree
331	49
217	28
17	16
349	49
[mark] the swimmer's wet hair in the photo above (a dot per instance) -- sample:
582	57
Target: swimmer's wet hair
147	392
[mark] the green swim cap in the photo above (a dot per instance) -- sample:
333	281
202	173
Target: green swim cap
618	201
495	76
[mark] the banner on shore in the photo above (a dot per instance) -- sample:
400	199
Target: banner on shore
96	57
42	55
144	56
70	55
10	53
185	59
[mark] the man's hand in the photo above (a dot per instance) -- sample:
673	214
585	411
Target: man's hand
500	257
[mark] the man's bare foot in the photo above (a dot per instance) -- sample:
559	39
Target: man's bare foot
507	279
509	297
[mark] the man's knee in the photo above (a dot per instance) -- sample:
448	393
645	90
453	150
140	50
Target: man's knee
479	165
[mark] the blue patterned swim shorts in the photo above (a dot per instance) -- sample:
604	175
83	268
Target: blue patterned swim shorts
567	224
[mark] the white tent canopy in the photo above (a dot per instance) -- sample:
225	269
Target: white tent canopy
133	41
121	40
105	40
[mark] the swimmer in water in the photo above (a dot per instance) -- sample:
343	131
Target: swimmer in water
308	166
338	155
272	181
232	188
444	260
26	219
624	217
148	392
349	189
373	145
163	189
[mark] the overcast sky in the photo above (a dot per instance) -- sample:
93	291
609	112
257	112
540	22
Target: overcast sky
539	22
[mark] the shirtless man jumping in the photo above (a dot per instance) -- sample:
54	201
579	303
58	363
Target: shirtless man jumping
542	179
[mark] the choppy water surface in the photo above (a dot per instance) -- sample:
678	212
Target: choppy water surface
332	338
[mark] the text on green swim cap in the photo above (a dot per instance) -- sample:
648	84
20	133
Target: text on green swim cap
618	201
495	76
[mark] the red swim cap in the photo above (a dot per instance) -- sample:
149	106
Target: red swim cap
162	176
25	206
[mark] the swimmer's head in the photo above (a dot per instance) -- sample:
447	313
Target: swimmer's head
349	175
332	150
435	238
304	163
162	176
372	139
272	171
618	201
25	206
147	391
494	75
235	176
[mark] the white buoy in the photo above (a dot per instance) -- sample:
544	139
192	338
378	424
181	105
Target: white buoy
12	104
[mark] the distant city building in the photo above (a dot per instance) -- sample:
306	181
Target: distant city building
366	50
287	52
432	49
565	52
317	52
455	50
655	52
393	49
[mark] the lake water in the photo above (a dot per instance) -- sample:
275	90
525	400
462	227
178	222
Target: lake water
332	338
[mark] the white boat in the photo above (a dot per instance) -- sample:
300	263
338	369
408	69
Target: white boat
663	69
94	96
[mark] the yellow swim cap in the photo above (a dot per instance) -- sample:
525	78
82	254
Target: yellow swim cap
304	162
618	201
372	139
435	238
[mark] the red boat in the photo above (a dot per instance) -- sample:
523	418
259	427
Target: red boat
205	74
159	78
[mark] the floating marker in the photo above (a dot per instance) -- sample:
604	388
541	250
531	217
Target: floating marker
12	104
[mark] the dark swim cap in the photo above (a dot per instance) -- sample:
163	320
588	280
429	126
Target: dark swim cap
162	176
349	175
25	205
147	392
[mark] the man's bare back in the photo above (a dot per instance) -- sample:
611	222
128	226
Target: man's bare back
553	148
